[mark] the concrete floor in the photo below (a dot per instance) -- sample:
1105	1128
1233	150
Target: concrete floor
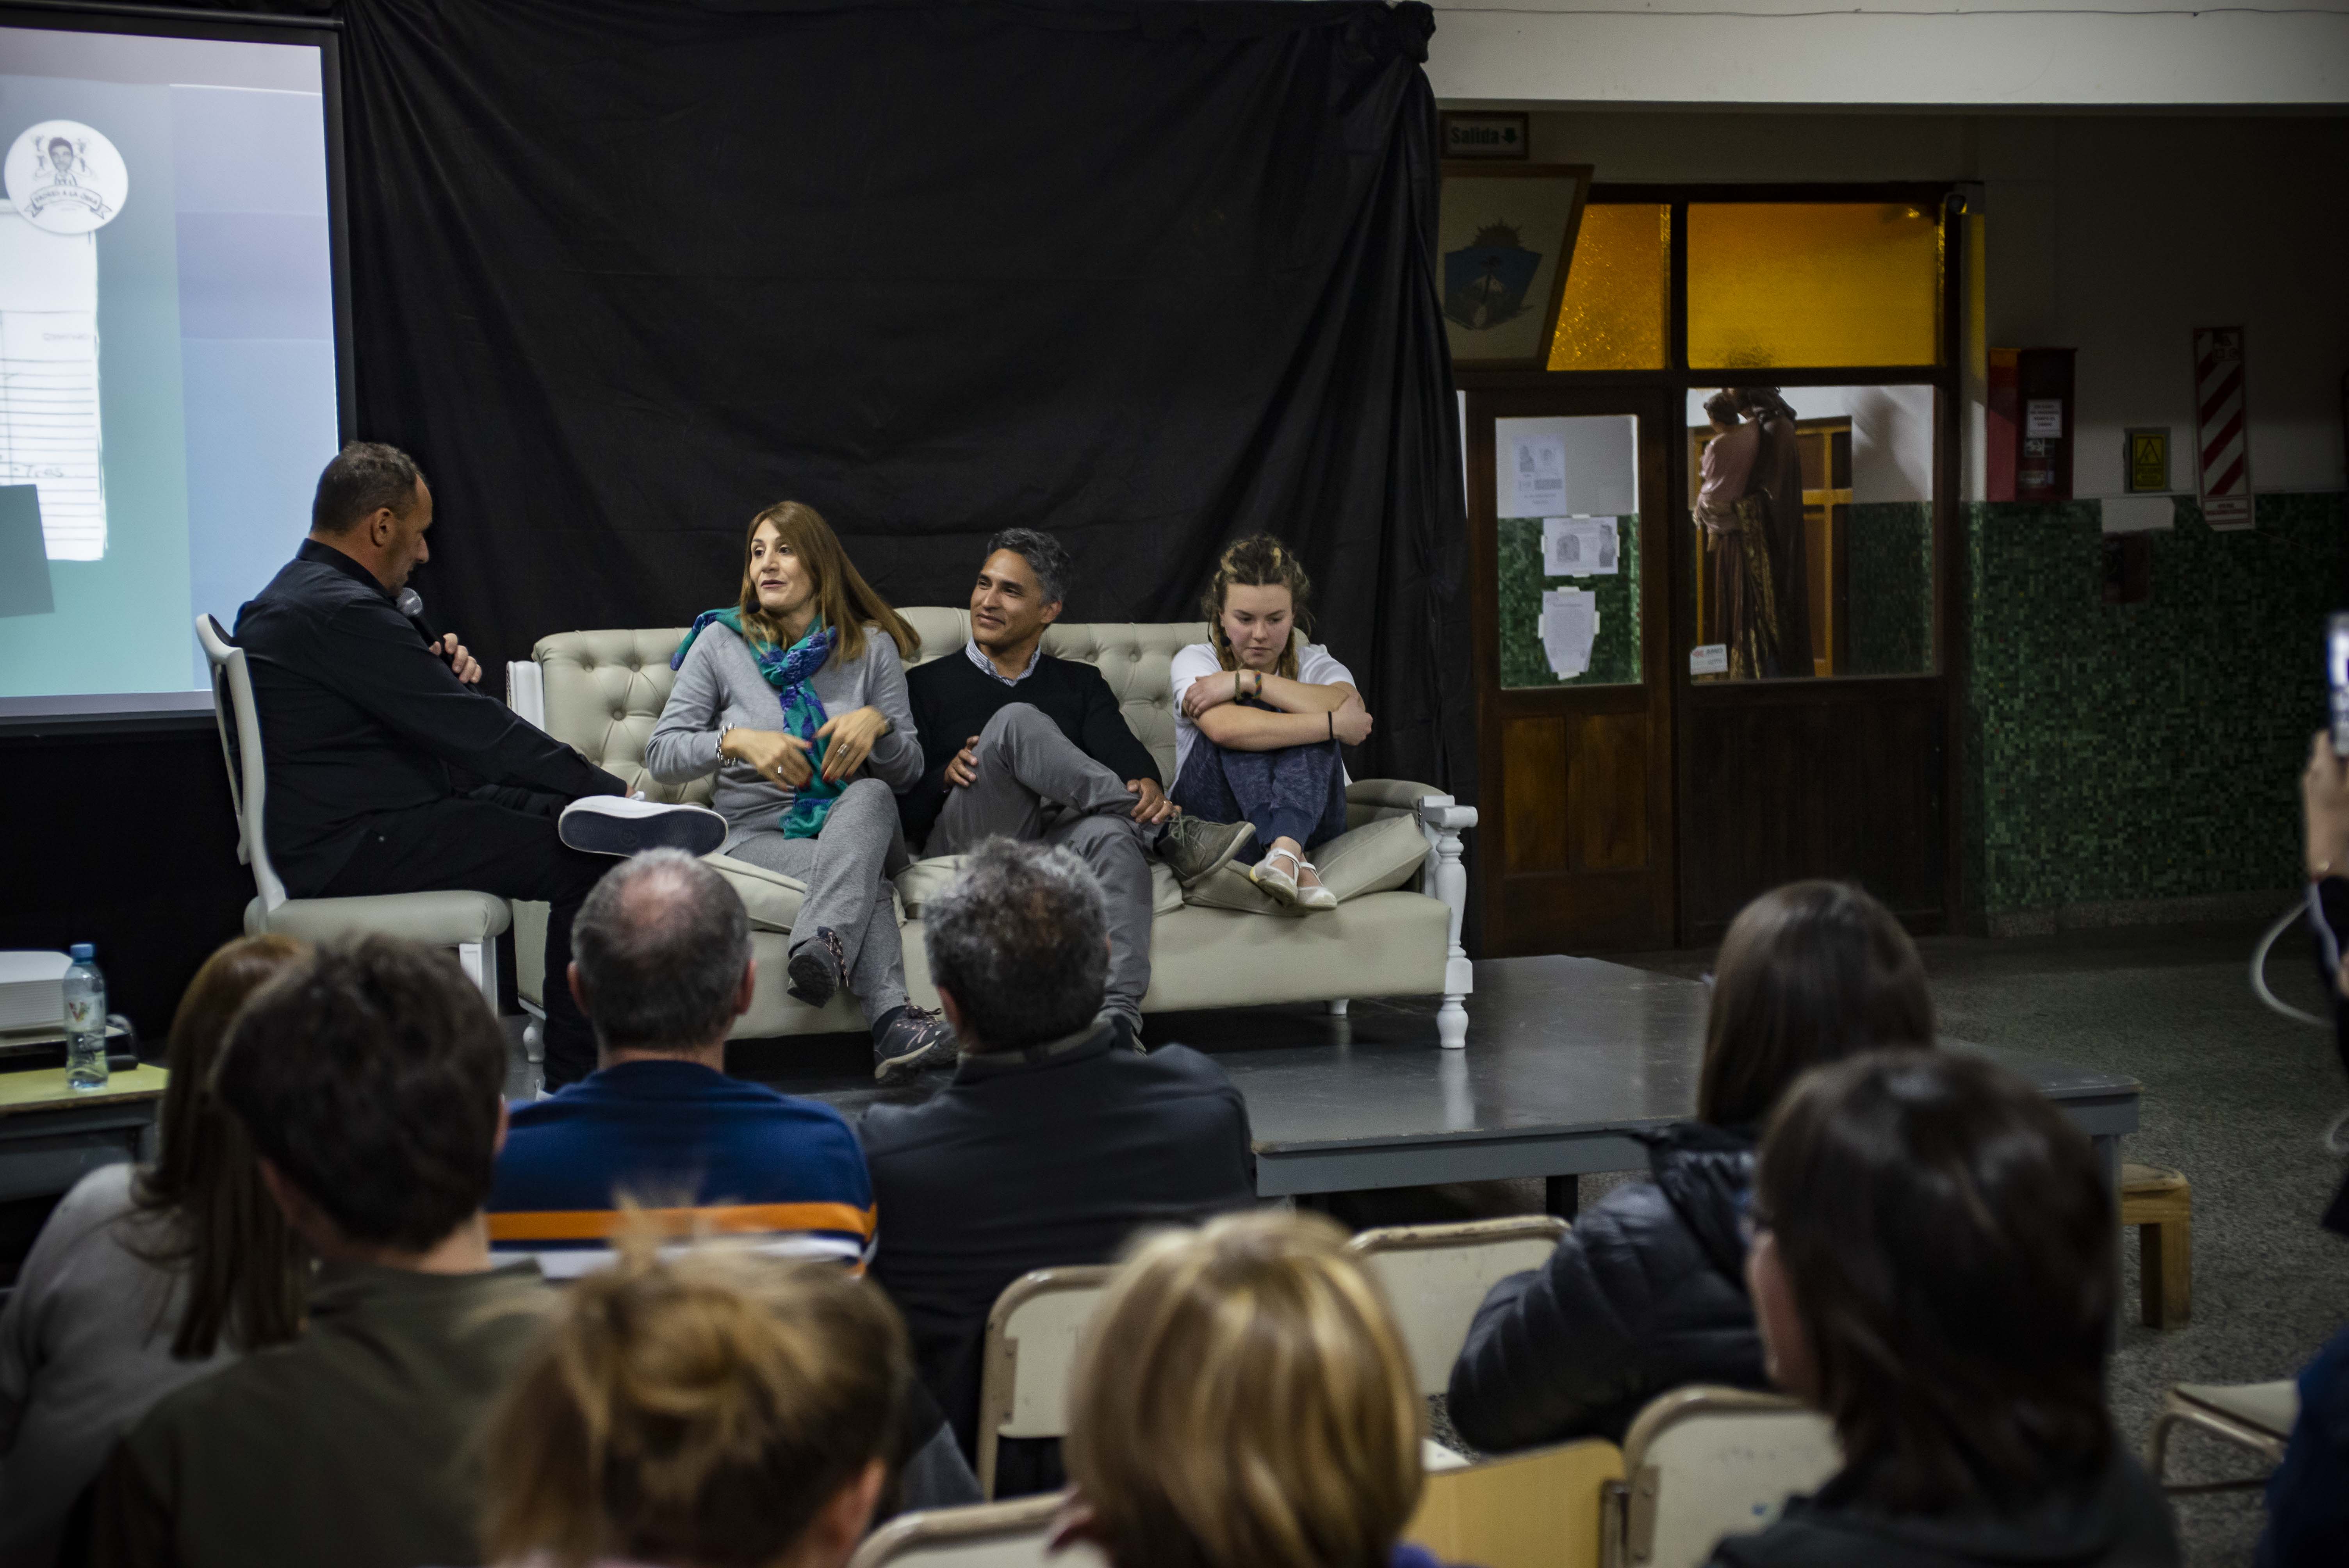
2237	1098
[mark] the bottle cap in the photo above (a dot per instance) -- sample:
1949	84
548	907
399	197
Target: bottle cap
82	950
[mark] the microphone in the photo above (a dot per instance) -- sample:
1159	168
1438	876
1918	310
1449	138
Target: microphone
410	603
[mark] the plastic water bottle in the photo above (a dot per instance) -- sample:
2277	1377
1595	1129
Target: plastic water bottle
85	990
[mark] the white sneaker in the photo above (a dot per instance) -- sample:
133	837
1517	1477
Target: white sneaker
1316	896
609	825
1281	885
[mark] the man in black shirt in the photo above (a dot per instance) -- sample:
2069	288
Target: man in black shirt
1052	1145
389	773
1025	746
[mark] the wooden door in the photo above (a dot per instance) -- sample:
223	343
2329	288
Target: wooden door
1575	837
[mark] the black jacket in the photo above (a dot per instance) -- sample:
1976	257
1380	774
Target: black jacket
1039	1160
953	698
359	716
1646	1293
2116	1519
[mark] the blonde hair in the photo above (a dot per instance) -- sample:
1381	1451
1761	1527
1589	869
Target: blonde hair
843	599
1242	1400
1259	561
700	1409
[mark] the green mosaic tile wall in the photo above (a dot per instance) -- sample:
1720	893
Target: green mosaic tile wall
2125	752
1889	559
1614	652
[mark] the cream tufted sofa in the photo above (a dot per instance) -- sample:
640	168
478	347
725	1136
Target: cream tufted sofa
1397	867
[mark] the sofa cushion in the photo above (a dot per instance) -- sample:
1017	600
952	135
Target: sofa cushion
772	898
1385	854
922	878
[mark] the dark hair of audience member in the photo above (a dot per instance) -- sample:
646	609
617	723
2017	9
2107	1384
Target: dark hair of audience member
1243	1399
1721	407
363	478
1809	973
1950	1243
843	599
704	1408
246	1272
1259	561
1020	938
661	944
370	1076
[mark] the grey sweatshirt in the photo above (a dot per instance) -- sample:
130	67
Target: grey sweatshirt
85	1349
720	685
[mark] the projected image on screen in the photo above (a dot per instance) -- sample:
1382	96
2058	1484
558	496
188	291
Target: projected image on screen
167	352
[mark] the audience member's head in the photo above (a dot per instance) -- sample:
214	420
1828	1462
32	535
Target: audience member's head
246	1272
716	1409
1809	973
1933	1267
1721	410
1244	1400
368	1077
1018	945
661	958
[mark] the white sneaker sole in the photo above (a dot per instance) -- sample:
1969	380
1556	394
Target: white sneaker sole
610	825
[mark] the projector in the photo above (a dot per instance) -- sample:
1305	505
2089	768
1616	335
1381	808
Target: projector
33	990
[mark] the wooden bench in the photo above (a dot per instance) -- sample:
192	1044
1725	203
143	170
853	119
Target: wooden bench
2160	1204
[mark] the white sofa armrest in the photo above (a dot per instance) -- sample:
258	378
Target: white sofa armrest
1442	876
527	691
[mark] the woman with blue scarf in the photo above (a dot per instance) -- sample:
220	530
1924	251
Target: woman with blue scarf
794	696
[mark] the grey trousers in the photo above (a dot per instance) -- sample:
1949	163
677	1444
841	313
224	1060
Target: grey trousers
847	888
1033	783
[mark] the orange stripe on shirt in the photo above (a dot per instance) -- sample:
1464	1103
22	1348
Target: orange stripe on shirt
598	1225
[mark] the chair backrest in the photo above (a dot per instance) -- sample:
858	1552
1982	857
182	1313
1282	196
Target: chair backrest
990	1536
1702	1462
1540	1509
1032	1334
1436	1277
604	690
238	719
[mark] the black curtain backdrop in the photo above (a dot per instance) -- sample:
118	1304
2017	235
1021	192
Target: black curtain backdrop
1148	275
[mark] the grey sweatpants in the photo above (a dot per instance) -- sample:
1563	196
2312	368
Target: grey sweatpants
1033	783
846	888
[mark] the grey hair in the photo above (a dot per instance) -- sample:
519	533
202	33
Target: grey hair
661	944
1020	936
1046	556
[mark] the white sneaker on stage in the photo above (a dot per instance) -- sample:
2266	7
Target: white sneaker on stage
610	825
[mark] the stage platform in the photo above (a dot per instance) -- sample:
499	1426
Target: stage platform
1567	1057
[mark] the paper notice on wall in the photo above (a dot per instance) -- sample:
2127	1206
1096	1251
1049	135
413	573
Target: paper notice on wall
1533	476
48	382
1569	622
1579	546
1709	659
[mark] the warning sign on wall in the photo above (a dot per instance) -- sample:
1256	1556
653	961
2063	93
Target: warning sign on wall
2221	431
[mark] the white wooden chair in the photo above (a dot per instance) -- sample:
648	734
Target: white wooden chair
1699	1463
1029	1358
987	1535
2254	1417
468	921
1436	1277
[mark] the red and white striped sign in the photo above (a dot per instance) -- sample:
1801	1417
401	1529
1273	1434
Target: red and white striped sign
2222	431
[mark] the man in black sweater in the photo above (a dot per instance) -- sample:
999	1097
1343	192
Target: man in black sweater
1020	745
391	772
1051	1146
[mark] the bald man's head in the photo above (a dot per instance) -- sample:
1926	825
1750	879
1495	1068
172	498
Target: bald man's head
660	947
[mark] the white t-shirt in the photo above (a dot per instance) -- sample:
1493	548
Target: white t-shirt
1314	667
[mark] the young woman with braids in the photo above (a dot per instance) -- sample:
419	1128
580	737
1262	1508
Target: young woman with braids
1259	714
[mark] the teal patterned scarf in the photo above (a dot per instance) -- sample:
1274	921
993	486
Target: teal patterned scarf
791	672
